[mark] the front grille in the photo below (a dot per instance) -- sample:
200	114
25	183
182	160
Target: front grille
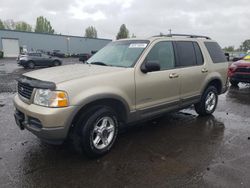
243	69
24	90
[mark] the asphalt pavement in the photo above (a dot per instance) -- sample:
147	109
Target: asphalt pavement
180	149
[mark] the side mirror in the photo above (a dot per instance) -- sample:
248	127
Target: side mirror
150	66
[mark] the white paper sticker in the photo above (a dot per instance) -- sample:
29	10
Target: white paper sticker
138	45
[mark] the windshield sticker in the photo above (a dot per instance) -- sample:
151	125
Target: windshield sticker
138	45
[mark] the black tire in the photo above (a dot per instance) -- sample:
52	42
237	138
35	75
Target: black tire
234	83
31	65
82	135
201	108
56	63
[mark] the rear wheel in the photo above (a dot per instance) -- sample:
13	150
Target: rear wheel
234	83
208	102
96	131
31	65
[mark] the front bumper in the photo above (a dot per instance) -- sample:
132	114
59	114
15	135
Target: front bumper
49	124
241	77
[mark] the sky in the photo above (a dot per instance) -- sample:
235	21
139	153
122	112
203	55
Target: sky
226	21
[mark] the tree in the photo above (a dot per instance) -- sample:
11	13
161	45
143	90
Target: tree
133	35
23	26
229	49
91	32
245	45
1	25
9	24
43	26
123	32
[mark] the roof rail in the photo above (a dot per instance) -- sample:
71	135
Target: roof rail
183	35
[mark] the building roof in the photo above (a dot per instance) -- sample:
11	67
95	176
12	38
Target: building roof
8	30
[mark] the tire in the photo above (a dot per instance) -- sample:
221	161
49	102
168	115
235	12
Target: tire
234	83
208	102
31	65
56	63
92	135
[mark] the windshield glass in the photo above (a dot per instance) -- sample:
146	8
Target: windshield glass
119	53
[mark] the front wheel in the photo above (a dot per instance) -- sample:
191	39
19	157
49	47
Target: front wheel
56	63
31	65
208	103
97	131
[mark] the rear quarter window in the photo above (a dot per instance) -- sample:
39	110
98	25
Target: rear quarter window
215	51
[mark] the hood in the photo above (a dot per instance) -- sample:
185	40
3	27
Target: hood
70	72
242	63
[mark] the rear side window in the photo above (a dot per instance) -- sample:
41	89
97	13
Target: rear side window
215	52
199	56
186	54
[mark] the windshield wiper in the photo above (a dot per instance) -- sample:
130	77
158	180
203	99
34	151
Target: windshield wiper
98	63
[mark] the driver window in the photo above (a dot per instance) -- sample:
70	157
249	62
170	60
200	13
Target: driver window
162	53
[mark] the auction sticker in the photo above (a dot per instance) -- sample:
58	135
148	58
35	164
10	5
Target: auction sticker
138	45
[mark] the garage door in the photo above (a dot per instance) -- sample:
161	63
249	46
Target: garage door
10	47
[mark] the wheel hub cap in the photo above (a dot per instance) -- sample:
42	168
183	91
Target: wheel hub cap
210	101
103	132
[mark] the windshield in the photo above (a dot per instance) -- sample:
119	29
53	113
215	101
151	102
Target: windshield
119	53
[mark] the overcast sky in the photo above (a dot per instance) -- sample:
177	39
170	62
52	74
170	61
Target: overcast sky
226	21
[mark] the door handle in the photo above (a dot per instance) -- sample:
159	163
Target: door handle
204	70
173	75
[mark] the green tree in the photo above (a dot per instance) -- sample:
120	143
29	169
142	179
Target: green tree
1	25
91	32
245	45
43	26
123	32
23	26
133	35
229	49
9	24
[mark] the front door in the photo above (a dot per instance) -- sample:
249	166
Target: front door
158	91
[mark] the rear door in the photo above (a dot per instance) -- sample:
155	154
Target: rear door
193	70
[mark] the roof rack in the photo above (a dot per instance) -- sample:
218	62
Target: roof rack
183	35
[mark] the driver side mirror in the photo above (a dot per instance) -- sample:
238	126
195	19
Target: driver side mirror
150	66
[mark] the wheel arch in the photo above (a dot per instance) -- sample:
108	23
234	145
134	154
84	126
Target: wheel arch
217	82
117	103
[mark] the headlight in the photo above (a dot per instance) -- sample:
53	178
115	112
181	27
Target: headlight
48	98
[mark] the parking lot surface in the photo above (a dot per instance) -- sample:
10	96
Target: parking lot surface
180	149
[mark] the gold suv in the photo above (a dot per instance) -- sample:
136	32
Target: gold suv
127	81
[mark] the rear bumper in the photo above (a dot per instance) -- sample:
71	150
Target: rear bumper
49	124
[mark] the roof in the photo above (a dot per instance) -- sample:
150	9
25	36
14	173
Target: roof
8	30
